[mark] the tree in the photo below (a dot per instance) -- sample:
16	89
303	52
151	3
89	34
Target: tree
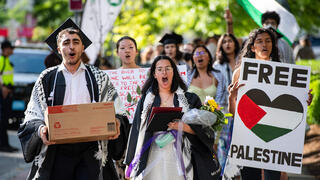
3	14
50	14
148	20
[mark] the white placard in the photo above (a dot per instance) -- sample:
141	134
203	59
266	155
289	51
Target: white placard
270	117
126	81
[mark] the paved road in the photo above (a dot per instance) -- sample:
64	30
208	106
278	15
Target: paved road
12	165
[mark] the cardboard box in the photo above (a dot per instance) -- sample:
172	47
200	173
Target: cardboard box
80	122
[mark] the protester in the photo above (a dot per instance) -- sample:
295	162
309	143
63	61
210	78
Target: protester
261	45
165	88
72	82
84	58
158	49
127	51
203	79
187	53
104	64
303	50
271	19
226	56
6	94
229	20
147	56
52	60
171	48
197	41
211	44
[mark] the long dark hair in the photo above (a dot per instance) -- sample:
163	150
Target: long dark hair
209	67
221	56
246	51
152	82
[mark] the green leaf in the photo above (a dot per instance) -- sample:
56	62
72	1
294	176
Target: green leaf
138	90
129	98
128	112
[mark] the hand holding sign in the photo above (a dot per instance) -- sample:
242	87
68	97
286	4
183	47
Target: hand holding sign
269	122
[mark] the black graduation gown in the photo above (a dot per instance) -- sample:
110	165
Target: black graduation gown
201	144
31	143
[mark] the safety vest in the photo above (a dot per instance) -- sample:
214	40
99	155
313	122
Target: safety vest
6	71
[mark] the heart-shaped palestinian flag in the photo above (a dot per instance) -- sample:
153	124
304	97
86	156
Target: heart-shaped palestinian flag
269	120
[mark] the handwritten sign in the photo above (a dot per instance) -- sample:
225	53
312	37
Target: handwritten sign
126	81
270	117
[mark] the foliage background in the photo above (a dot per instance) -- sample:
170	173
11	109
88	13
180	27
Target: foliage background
148	20
313	116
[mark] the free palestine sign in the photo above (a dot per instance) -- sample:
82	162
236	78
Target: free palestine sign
269	122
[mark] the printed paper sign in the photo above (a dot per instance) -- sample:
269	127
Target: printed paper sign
126	81
270	118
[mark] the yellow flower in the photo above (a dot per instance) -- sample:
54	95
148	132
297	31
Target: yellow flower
226	121
213	103
212	108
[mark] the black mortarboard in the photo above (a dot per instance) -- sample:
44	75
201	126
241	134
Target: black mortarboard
171	39
52	39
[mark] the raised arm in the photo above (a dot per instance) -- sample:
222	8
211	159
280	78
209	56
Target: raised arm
228	18
233	91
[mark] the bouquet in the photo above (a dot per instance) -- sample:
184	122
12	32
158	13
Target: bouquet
209	114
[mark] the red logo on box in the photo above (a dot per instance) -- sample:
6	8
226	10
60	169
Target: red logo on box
57	125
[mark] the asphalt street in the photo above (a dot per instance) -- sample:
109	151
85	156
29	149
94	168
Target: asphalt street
13	166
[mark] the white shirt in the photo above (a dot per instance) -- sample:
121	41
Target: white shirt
76	86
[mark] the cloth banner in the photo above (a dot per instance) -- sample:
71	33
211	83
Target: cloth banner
288	26
97	20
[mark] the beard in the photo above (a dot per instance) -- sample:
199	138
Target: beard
73	62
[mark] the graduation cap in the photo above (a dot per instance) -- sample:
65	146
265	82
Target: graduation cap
52	39
171	39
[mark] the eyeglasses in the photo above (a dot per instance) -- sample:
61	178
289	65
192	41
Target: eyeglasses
162	69
199	53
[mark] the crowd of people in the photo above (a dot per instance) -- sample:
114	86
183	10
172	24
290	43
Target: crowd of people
133	153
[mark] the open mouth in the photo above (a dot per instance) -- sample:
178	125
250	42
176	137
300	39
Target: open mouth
72	54
200	60
164	79
128	56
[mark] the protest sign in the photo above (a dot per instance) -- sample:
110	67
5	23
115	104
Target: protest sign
126	81
270	117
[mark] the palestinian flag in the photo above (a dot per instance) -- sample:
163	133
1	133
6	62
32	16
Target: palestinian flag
269	120
288	26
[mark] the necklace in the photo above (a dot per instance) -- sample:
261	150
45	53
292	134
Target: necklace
165	100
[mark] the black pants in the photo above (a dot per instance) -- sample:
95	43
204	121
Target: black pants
76	162
271	175
5	111
249	173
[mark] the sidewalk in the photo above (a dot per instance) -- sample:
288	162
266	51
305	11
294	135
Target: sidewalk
12	165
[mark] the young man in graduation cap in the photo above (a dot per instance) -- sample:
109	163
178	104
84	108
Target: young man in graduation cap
171	47
71	82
